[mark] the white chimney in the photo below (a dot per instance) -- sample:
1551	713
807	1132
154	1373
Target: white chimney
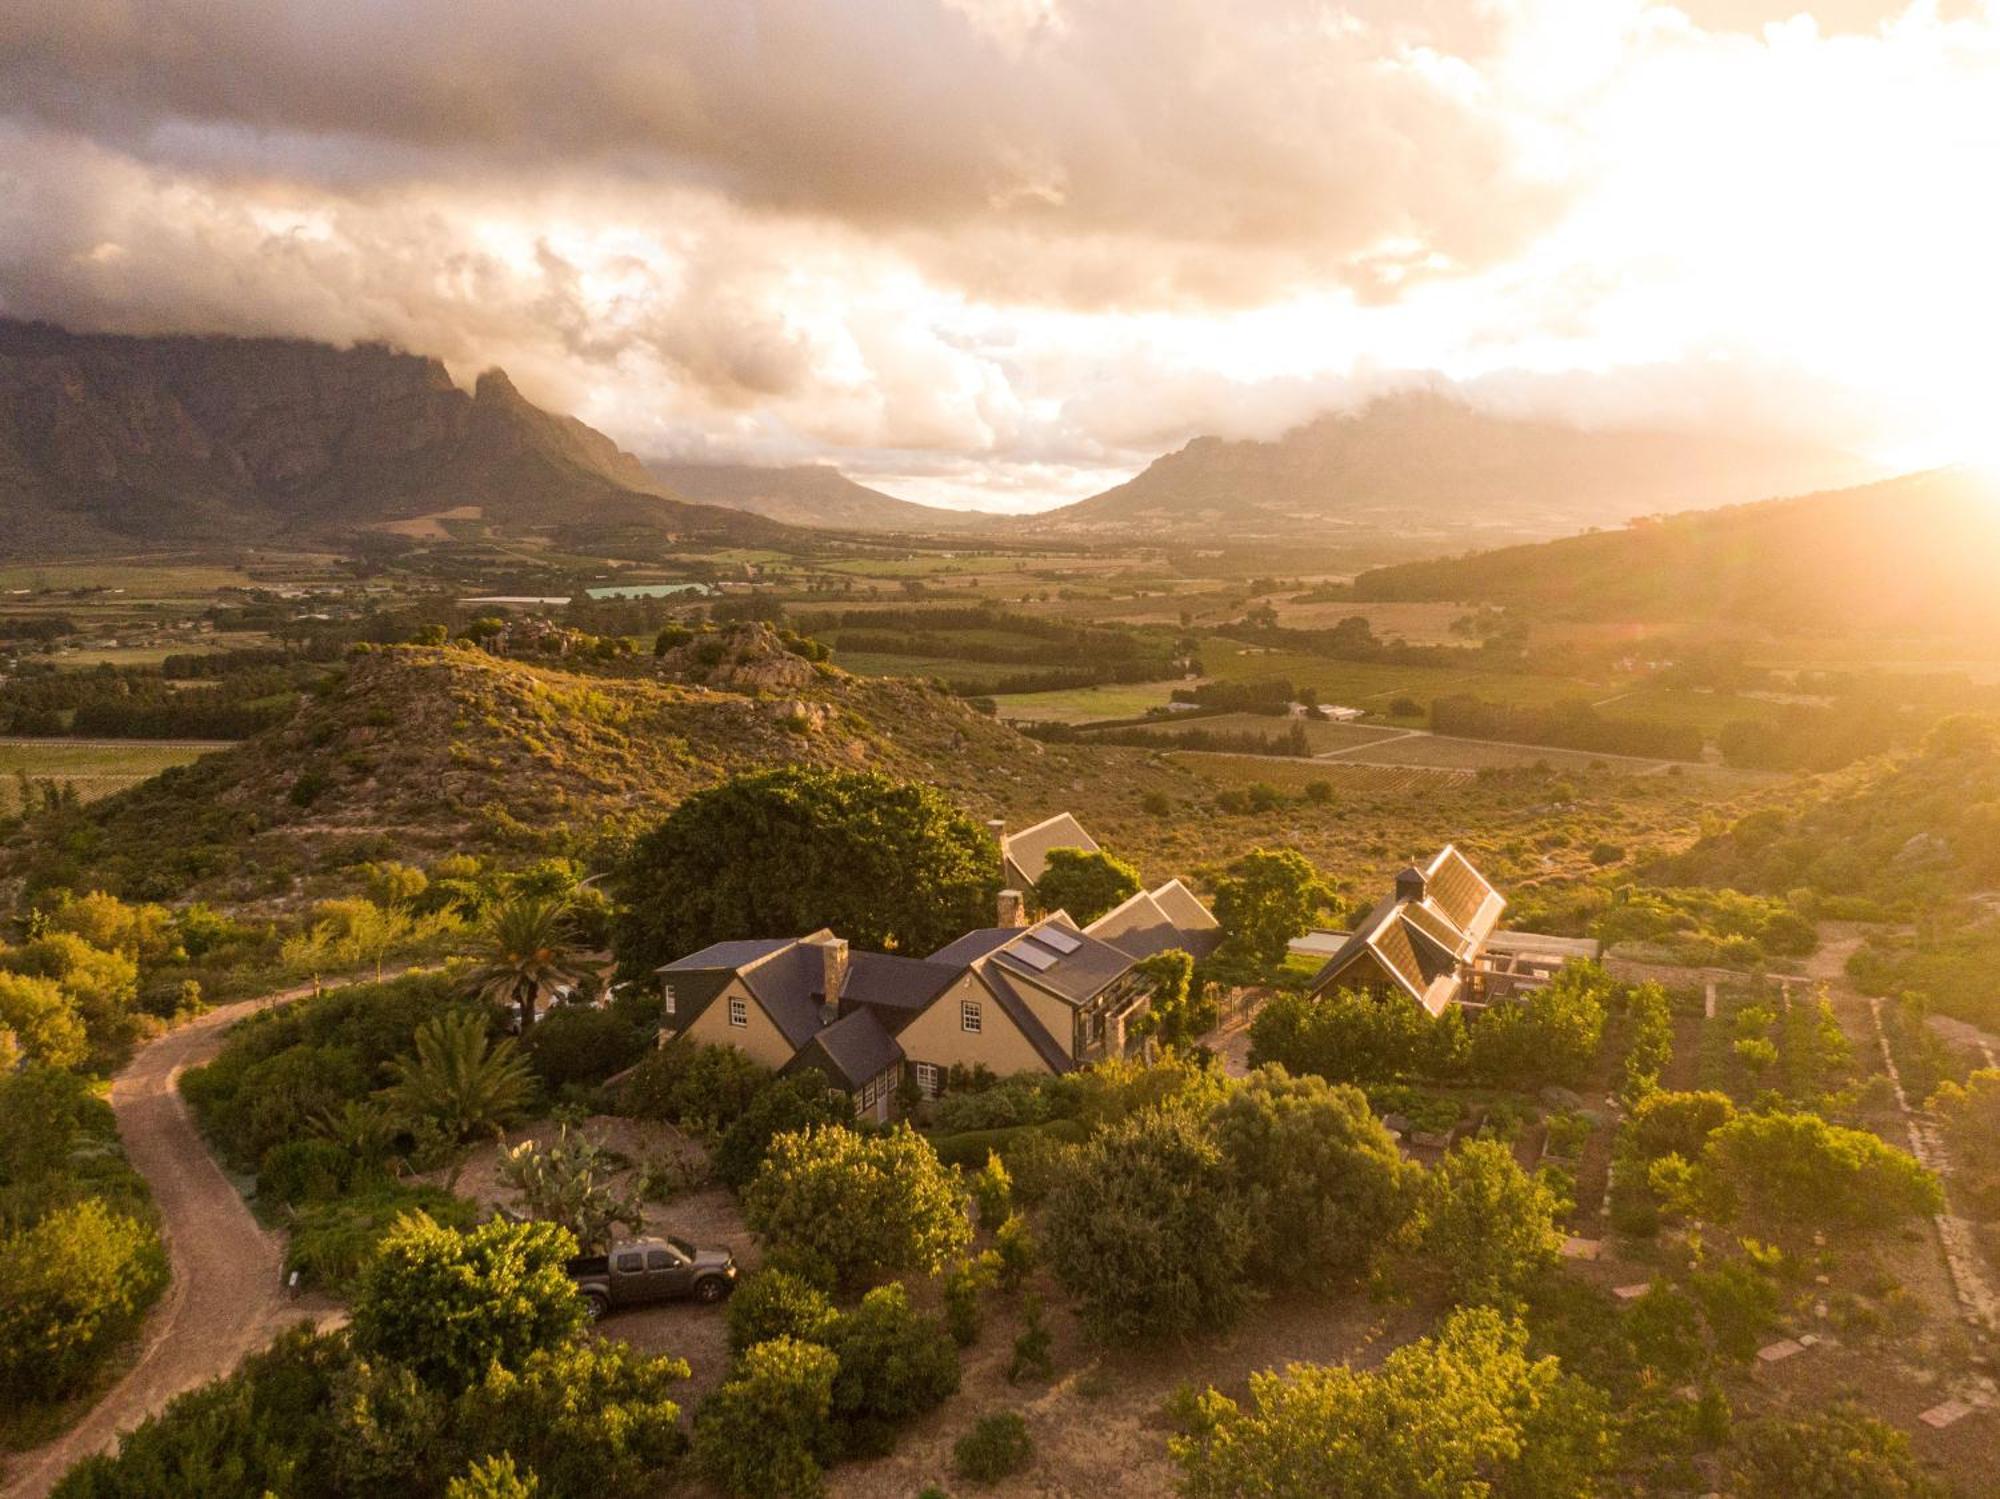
1012	908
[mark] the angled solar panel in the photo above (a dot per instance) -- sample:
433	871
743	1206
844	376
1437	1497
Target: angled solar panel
1038	958
1056	937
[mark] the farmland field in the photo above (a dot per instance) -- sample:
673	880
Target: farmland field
1371	686
1083	704
97	768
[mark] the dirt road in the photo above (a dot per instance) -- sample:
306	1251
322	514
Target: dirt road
226	1298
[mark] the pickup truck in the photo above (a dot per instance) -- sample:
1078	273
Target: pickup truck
646	1270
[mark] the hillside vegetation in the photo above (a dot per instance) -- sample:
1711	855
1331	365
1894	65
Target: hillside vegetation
1912	555
417	749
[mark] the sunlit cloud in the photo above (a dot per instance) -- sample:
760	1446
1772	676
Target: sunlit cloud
1004	251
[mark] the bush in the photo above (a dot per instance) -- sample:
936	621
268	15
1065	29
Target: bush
775	1304
894	1366
998	1447
1009	1102
332	1241
1148	1232
449	1303
992	1193
1549	1036
964	1283
304	1170
973	1147
1797	1169
693	1085
782	1106
71	1288
1324	1183
766	1431
573	1044
590	1419
840	1208
1842	1453
1664	1124
1355	1038
1486	1228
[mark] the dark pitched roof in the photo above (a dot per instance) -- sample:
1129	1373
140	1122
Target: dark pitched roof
853	1049
1001	986
787	986
1028	850
1153	921
730	955
1076	975
875	978
1421	943
974	945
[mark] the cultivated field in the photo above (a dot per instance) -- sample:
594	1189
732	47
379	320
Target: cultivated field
97	768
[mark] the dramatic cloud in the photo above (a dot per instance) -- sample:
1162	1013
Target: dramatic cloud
1004	251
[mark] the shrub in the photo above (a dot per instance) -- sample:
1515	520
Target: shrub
964	1283
1324	1183
573	1044
590	1419
1011	1101
998	1447
449	1303
1550	1036
1148	1232
71	1288
43	1019
992	1193
970	1149
1466	1412
1032	1349
1486	1228
1352	1038
304	1170
1014	1243
332	1241
776	1304
782	1106
765	1432
1842	1453
1797	1169
839	1207
894	1366
1679	1124
689	1084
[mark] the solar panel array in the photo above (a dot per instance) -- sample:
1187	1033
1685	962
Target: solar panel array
1037	957
1056	937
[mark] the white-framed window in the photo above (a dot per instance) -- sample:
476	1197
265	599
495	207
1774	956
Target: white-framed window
669	993
739	1011
928	1078
969	1017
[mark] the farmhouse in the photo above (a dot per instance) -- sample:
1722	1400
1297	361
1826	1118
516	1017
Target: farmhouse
1437	940
1045	997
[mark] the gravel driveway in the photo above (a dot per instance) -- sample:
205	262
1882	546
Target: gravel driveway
226	1299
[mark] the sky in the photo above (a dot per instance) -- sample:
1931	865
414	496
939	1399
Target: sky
1001	253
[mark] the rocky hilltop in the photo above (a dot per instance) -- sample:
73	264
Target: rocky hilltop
109	440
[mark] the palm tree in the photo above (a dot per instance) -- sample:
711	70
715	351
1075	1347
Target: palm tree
459	1082
525	954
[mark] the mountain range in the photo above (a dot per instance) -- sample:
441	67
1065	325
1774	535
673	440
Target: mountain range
110	440
1425	462
810	494
1913	555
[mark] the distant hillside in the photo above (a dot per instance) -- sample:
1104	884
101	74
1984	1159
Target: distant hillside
420	751
807	495
1915	555
1427	463
107	440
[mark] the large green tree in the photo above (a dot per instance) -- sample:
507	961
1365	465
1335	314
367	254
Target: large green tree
1794	1171
1084	883
1323	1180
450	1303
1265	899
1466	1413
1148	1231
840	1207
1482	1226
889	865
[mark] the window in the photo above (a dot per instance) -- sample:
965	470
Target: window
659	1259
968	1015
629	1264
927	1079
670	999
739	1011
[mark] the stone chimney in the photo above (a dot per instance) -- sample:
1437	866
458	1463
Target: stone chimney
1411	885
1012	909
833	975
